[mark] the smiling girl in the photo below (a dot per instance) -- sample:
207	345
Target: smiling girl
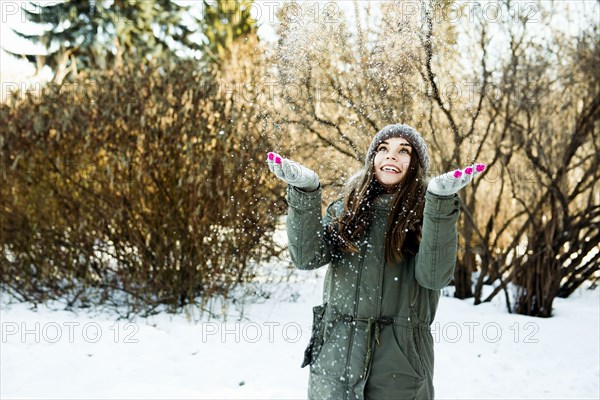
390	241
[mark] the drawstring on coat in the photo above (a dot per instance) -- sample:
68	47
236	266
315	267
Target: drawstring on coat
373	324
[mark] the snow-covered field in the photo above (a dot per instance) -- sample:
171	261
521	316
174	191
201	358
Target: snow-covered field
482	352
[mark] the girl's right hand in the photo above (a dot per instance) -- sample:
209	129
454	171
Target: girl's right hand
293	173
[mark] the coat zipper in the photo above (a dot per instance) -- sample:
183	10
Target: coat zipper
414	322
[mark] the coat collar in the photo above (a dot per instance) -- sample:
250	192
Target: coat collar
383	201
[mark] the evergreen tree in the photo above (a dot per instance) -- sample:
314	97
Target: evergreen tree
88	34
223	22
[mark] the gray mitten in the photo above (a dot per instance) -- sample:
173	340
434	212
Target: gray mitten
293	173
451	182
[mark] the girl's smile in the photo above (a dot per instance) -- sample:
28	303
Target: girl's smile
391	161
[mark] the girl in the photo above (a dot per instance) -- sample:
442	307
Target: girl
390	241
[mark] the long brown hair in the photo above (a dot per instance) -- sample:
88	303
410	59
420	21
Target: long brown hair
403	231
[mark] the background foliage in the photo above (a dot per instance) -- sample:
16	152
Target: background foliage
140	179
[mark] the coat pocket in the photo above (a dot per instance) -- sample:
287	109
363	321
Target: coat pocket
316	338
411	363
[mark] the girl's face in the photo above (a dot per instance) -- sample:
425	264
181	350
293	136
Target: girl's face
391	162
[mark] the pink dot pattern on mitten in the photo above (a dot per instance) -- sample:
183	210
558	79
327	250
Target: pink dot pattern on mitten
457	174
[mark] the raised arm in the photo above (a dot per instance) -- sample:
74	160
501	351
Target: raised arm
308	246
305	227
436	259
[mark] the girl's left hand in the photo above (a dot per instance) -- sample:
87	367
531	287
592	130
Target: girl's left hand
451	182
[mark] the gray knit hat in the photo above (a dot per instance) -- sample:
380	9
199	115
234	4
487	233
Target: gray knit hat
406	132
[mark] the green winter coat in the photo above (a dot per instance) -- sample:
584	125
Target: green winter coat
371	337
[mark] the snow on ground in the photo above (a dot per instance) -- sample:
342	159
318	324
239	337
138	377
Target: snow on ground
482	352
